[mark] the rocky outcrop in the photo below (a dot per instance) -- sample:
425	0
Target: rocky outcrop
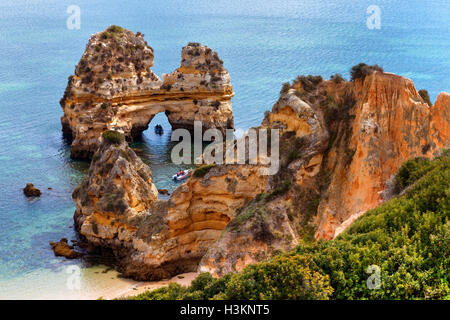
114	88
31	191
340	143
388	123
62	249
114	196
117	209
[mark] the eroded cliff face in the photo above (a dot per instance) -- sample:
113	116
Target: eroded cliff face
388	124
340	143
117	209
114	88
114	196
270	222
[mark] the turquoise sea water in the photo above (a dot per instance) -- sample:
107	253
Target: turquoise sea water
262	43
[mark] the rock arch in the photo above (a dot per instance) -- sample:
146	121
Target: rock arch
114	88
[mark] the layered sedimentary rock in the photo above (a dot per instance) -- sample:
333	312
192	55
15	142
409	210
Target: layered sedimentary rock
341	142
114	196
114	88
388	124
117	209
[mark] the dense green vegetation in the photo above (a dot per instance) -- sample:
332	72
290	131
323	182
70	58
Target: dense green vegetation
113	136
112	32
408	238
360	71
201	171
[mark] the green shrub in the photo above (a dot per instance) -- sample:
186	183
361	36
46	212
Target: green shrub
410	172
308	83
425	96
360	71
201	171
337	78
115	29
114	137
285	87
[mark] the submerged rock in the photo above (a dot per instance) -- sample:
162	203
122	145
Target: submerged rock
31	191
62	249
163	191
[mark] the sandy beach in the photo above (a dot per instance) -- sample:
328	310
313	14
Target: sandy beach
136	288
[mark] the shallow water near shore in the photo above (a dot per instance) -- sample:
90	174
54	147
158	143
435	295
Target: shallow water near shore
262	44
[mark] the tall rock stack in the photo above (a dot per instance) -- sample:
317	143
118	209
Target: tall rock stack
114	88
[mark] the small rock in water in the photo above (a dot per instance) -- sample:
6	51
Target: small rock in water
31	191
163	191
62	249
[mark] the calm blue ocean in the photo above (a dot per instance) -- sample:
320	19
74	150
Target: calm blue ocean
263	43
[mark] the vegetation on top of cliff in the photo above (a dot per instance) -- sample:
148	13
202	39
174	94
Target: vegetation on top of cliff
114	137
360	71
337	78
425	96
112	32
407	238
201	171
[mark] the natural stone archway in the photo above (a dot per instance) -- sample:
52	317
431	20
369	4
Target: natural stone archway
114	88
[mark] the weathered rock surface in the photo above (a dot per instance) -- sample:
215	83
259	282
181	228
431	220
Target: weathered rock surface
114	88
117	209
31	191
62	249
114	196
389	123
340	144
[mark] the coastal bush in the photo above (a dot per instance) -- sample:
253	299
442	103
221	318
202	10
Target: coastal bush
411	171
285	87
114	137
283	277
112	32
360	71
201	171
337	78
308	83
406	237
425	96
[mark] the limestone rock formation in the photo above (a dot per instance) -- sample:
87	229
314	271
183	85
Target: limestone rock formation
114	88
117	209
388	123
115	194
341	142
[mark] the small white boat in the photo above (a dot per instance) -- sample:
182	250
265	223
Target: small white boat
182	175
